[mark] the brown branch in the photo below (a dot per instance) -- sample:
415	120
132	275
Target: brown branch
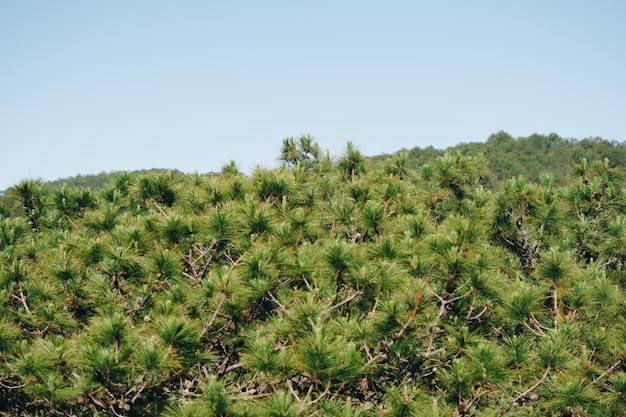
142	386
319	397
531	389
440	314
476	397
418	302
22	297
555	303
195	280
233	262
217	310
347	300
158	206
11	387
282	307
510	243
537	323
608	371
291	390
42	331
372	359
97	402
484	310
112	408
537	332
233	367
443	308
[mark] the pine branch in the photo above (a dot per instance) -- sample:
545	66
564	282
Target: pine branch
555	306
608	371
537	332
443	309
234	263
319	397
22	297
531	389
474	399
479	315
282	307
158	206
215	313
11	387
418	302
347	300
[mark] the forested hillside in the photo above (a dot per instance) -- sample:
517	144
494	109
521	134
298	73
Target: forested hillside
530	156
330	286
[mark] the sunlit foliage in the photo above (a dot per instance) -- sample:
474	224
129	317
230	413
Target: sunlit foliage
323	287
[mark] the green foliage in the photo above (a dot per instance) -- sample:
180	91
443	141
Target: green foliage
272	186
103	220
157	189
327	359
72	202
12	232
32	195
353	288
302	152
353	163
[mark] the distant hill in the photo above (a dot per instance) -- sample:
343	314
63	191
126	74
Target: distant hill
94	182
530	156
97	181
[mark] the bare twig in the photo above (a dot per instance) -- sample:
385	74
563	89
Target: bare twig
347	300
443	308
536	331
555	303
139	388
531	389
418	302
537	323
11	387
42	331
217	310
233	367
282	307
22	297
291	390
479	315
233	262
476	397
206	253
158	206
97	402
608	371
112	408
319	397
428	354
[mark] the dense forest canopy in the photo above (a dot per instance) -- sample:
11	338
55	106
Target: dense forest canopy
349	286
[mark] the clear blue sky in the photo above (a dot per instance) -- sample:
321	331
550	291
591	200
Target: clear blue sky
92	86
